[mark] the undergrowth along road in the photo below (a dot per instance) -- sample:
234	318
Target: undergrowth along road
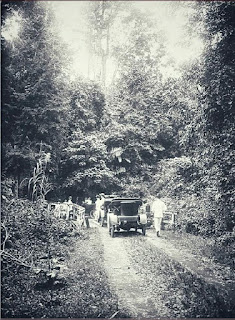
126	276
195	262
84	293
166	284
88	291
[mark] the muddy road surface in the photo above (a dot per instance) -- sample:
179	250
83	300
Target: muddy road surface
152	278
127	282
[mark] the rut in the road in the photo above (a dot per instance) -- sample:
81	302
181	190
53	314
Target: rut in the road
124	279
163	282
205	269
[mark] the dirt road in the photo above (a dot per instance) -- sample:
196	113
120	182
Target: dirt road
127	283
131	261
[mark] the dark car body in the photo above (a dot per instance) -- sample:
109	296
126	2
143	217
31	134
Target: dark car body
123	213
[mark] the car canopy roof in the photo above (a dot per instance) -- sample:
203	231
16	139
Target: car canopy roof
111	196
118	201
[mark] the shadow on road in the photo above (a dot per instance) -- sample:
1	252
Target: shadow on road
123	234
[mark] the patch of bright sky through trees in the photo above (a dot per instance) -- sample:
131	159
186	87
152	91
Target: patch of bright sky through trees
171	16
172	19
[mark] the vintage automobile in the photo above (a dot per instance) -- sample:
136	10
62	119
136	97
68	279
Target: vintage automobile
124	213
105	208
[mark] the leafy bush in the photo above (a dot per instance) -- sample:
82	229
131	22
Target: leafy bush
46	273
7	188
178	182
34	251
224	248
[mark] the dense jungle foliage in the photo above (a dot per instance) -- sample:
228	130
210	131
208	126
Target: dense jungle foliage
45	266
144	135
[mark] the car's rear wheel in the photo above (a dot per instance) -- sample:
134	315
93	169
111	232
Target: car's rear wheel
144	230
112	231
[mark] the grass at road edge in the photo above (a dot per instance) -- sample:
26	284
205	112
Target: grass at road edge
85	293
88	283
175	291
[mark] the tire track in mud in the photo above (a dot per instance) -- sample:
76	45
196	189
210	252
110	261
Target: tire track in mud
129	283
218	276
124	280
214	274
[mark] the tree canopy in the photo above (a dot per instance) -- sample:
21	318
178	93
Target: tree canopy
146	131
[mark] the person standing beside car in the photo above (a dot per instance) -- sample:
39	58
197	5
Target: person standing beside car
70	208
158	208
102	212
98	206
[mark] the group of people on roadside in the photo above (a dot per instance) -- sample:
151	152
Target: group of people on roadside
70	211
157	207
66	209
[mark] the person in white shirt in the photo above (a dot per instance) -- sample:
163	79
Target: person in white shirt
64	210
88	201
98	206
158	208
70	208
102	212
